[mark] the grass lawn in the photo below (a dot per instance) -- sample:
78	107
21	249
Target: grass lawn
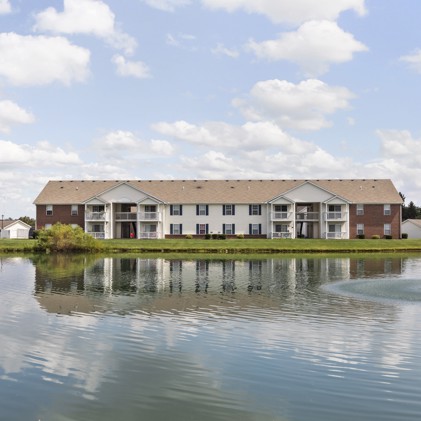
239	246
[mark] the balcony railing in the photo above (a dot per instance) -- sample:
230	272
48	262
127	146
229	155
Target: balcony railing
95	216
97	235
307	216
149	216
281	235
335	235
335	216
281	216
148	235
125	216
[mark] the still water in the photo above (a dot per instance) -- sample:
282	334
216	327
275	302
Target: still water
320	339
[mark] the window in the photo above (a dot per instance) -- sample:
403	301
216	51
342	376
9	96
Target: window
255	209
150	208
202	209
281	228
334	208
49	210
98	208
176	229
202	229
255	229
176	210
228	229
334	228
74	211
360	209
387	229
386	210
48	226
97	228
360	229
228	209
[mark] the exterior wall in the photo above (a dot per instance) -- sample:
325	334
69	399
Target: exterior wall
413	230
374	220
61	213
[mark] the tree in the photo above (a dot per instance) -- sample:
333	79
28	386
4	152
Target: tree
28	220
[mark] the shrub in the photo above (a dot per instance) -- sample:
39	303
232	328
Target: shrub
388	237
214	236
65	238
361	236
240	236
189	237
222	236
208	236
404	235
375	237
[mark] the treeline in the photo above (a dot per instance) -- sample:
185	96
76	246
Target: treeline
410	211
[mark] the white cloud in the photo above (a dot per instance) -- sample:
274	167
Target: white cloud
34	156
413	60
5	7
181	41
302	106
91	17
40	60
11	113
167	5
220	49
314	47
291	11
131	68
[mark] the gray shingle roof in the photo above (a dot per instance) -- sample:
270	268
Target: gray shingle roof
219	191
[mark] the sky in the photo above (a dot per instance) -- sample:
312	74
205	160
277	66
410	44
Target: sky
207	89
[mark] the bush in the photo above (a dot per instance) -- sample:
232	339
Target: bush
375	237
240	236
65	238
222	236
388	237
361	236
189	237
208	236
404	235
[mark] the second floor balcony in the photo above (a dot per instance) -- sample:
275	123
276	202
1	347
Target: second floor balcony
282	216
95	216
335	216
307	216
149	216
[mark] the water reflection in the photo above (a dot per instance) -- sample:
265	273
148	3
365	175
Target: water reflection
212	339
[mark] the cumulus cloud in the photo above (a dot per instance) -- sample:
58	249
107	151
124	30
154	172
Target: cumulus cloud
91	17
220	49
302	106
34	156
180	41
126	67
314	47
11	114
167	5
5	7
40	60
291	11
413	60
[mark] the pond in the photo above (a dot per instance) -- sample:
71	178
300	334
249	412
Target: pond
288	339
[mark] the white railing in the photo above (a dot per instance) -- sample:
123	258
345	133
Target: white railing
332	216
95	216
281	235
281	216
149	216
125	216
98	235
335	235
148	235
307	216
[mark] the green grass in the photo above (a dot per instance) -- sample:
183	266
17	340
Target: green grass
239	246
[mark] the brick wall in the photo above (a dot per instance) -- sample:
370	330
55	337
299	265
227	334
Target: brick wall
61	213
374	220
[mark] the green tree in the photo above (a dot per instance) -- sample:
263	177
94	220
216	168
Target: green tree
28	220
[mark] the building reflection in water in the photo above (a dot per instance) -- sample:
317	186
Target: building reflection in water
90	282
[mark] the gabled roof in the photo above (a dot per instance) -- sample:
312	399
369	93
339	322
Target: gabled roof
219	191
7	224
416	222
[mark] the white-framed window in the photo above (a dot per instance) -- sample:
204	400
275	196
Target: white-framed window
98	208
176	229
48	226
387	229
75	210
202	210
360	229
386	210
228	209
255	229
255	209
228	229
98	228
176	210
360	209
202	229
281	228
49	210
334	228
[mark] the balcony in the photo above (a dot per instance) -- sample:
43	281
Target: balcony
149	216
281	216
95	216
148	235
98	235
125	216
335	235
307	216
281	235
335	216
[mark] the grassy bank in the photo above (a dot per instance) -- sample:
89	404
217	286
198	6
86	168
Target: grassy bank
238	246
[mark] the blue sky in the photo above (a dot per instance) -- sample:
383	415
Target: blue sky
207	89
